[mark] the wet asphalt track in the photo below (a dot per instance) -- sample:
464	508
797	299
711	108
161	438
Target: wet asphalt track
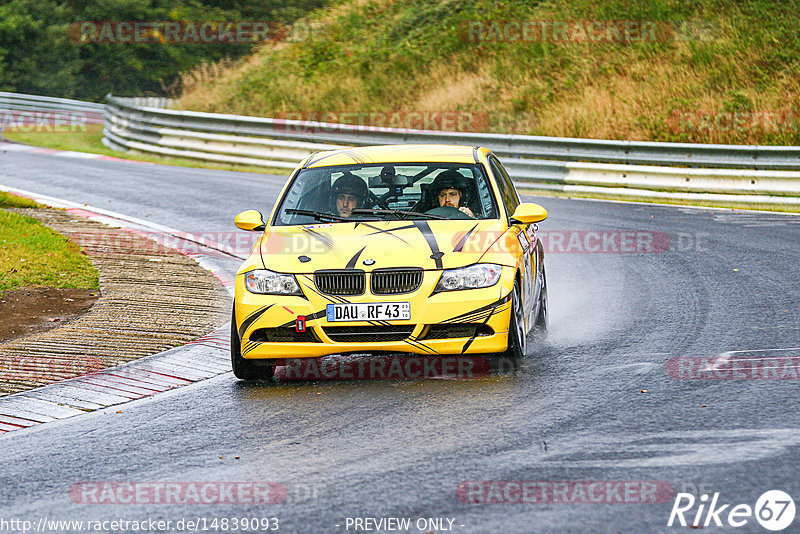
574	411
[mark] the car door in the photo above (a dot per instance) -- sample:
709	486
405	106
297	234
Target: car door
511	200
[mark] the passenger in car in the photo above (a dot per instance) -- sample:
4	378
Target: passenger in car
348	193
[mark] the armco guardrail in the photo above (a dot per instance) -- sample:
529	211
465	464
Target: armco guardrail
517	146
621	169
37	110
741	174
208	136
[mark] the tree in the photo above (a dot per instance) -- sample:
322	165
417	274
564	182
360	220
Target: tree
41	53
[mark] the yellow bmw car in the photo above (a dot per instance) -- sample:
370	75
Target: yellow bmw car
422	249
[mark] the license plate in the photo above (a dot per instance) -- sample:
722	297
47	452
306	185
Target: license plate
383	311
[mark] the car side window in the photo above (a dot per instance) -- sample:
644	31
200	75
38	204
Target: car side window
485	194
509	183
507	190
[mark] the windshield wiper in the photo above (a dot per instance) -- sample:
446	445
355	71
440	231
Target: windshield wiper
397	213
318	215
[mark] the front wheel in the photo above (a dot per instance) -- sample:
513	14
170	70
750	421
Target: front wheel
517	342
246	369
542	317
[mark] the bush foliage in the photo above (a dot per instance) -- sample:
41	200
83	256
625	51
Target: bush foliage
38	56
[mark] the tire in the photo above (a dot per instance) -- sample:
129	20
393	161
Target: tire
246	369
517	340
542	317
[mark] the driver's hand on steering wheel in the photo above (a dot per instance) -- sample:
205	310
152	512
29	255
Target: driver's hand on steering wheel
467	211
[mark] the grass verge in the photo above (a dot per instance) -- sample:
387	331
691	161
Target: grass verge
7	200
90	141
33	255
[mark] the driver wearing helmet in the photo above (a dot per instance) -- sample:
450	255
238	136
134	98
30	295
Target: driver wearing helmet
348	193
449	189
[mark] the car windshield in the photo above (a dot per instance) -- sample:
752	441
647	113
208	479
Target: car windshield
387	192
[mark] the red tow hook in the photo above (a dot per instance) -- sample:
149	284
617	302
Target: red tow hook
300	323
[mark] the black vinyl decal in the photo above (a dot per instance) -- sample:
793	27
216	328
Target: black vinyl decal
330	298
414	343
251	319
463	240
352	263
423	227
389	231
464	317
475	334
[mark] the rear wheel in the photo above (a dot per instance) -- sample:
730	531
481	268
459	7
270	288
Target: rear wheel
517	342
246	369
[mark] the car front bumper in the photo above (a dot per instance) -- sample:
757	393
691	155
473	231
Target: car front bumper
478	317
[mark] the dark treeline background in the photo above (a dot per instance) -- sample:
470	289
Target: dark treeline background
37	55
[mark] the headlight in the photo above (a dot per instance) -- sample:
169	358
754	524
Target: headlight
268	283
472	277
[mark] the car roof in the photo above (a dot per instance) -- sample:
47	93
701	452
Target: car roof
395	154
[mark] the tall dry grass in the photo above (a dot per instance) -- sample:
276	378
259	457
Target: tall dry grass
367	55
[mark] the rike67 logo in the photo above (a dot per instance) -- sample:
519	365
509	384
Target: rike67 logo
774	511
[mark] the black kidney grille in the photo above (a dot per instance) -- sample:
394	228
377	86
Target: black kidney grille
395	281
344	282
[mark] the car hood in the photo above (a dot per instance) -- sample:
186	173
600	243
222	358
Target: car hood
430	244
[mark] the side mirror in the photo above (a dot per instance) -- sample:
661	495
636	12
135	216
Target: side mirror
250	220
527	213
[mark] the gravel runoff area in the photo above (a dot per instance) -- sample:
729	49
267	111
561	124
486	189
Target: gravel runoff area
152	298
